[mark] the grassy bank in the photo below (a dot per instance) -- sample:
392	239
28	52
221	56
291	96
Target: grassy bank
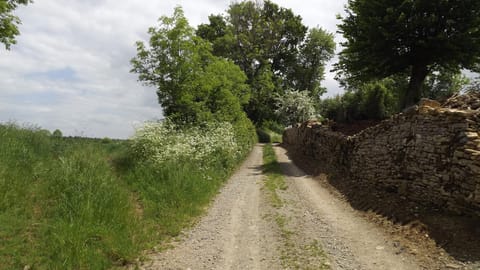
73	203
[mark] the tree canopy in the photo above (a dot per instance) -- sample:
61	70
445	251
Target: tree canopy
274	49
193	85
387	37
9	22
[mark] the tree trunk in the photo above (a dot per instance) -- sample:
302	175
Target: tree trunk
413	94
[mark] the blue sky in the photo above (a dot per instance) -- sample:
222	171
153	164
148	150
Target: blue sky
70	68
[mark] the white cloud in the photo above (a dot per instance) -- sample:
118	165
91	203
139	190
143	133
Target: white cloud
94	41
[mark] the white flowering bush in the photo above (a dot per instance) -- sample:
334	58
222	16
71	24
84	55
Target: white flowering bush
165	141
295	107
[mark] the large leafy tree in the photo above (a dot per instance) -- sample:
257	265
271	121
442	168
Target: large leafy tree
315	51
192	85
9	22
387	37
274	49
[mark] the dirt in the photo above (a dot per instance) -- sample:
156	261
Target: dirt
437	239
233	234
314	228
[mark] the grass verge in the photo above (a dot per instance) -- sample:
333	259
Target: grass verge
274	177
77	203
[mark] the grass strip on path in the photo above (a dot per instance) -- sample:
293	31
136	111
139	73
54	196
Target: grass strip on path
294	255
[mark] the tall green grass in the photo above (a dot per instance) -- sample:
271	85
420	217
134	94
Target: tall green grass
75	203
61	204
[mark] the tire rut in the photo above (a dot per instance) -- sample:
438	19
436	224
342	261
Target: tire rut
350	241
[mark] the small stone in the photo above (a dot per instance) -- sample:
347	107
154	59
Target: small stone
380	248
453	266
471	135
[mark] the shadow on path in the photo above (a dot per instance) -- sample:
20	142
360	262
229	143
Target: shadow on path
458	235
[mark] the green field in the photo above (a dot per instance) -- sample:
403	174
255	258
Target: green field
78	203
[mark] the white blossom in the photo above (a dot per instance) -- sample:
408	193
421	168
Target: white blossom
294	107
159	142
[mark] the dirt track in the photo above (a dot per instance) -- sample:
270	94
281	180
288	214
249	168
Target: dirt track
314	229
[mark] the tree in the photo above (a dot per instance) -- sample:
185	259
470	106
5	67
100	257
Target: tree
371	101
316	50
274	49
9	22
440	85
386	37
192	85
57	133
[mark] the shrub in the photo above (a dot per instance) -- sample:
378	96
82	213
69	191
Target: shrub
294	107
162	141
372	101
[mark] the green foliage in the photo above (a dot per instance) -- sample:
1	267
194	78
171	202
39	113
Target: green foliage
417	37
374	101
260	108
79	203
57	133
274	177
176	189
263	136
266	135
193	85
270	132
439	85
107	140
9	22
61	206
274	126
294	107
272	47
443	84
317	49
159	142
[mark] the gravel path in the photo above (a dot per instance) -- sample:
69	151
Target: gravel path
234	233
241	230
350	241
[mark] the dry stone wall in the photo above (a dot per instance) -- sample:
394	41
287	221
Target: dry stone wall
428	154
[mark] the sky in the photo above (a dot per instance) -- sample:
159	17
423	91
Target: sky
70	67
